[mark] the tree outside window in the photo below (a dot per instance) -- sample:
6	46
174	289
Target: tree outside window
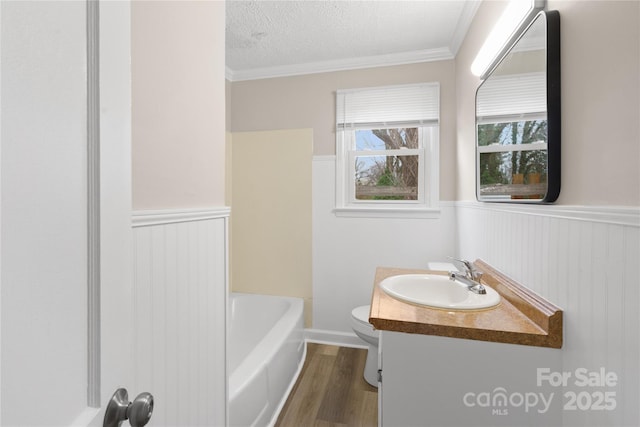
387	177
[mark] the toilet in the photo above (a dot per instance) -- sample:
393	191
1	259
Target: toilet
364	330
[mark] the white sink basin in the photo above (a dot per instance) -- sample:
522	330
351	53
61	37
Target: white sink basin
438	291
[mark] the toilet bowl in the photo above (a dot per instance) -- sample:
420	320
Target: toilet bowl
364	330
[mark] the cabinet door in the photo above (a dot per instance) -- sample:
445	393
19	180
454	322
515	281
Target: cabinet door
380	380
431	380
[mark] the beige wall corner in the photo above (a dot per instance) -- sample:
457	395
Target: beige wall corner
228	160
227	109
178	104
271	213
228	200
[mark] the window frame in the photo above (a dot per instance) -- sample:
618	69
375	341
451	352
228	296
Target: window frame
427	203
414	105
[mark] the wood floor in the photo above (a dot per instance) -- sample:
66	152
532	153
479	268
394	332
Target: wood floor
330	391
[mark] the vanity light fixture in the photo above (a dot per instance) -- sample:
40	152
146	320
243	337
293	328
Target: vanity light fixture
515	18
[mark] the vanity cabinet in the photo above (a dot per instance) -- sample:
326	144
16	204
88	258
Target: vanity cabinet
440	381
446	367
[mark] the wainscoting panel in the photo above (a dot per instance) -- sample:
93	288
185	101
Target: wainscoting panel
586	260
180	293
347	251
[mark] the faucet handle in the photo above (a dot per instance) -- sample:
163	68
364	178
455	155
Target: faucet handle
477	276
463	265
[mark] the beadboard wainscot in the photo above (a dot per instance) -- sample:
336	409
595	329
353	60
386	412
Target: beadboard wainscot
346	252
180	294
585	259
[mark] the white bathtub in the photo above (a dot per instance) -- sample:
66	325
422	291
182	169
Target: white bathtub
265	352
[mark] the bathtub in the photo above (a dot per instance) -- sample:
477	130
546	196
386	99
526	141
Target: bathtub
265	354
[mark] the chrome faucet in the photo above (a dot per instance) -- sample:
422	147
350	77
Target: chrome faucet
470	277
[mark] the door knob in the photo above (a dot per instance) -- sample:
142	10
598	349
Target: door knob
119	409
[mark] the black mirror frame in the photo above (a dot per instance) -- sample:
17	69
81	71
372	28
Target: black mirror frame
554	112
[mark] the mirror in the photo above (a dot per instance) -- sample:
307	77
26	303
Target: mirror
518	119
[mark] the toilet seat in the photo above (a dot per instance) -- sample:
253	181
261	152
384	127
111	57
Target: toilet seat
361	326
361	314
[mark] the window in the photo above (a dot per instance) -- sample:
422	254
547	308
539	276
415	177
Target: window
387	151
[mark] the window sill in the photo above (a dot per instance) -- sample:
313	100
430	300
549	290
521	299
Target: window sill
386	212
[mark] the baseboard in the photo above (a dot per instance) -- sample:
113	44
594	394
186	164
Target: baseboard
342	339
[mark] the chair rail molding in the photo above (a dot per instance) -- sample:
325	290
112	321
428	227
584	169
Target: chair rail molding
143	218
620	215
179	307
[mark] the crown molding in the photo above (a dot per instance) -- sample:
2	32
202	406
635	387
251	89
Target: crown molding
403	58
467	15
228	74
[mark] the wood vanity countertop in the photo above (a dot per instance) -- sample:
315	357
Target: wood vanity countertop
521	317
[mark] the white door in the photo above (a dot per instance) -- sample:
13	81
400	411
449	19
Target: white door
64	348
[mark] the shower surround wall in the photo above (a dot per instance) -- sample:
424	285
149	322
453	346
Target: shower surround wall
270	195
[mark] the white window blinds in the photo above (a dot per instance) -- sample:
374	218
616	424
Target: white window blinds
390	106
512	96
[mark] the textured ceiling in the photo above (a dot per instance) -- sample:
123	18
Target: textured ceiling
270	38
